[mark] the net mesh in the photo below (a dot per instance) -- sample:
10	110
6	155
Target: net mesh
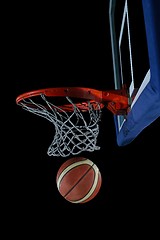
75	131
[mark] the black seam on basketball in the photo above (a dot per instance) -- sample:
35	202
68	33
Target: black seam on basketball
80	180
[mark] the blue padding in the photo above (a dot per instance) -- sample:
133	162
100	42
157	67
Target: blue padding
147	108
144	112
151	9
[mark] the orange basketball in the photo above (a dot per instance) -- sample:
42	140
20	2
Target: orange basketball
78	180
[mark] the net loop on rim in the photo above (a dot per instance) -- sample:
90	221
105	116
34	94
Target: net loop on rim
75	131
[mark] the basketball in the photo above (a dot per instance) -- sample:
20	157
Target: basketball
78	180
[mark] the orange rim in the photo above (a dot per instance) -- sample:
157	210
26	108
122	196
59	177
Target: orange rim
87	94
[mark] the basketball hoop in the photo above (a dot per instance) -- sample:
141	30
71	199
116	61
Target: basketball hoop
75	114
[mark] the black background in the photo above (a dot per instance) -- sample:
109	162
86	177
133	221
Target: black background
68	44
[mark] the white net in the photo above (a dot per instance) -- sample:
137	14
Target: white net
75	131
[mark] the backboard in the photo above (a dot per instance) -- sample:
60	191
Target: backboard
135	43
